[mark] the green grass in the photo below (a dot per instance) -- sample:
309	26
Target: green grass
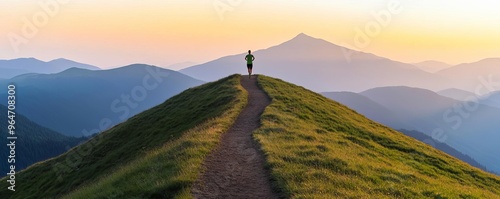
155	154
318	148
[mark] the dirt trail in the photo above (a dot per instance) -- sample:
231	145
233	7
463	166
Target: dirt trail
236	167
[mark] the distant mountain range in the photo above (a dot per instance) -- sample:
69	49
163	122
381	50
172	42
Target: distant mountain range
472	131
490	99
35	143
367	107
15	67
457	94
323	66
421	108
80	102
432	66
482	76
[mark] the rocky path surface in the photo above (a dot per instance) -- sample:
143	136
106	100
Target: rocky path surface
236	168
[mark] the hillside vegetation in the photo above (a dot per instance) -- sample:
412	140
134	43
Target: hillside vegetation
155	154
318	148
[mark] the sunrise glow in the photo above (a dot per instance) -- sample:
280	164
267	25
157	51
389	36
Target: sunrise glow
169	32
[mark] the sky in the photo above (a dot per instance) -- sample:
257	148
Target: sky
116	33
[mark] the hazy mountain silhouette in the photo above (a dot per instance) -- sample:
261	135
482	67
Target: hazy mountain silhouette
458	94
15	67
321	66
367	107
468	76
78	99
412	105
491	99
432	66
472	131
35	143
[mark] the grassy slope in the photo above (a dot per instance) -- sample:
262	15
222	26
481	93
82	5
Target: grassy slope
157	153
318	148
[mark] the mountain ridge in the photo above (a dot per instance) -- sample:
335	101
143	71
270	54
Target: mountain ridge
432	66
19	66
475	76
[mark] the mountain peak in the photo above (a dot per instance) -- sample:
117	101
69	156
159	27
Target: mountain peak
26	59
139	66
61	60
303	36
304	41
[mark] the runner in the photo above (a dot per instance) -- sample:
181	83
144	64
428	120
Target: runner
249	59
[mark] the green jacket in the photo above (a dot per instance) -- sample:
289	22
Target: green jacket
249	58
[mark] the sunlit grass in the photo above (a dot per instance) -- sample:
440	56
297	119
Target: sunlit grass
318	148
170	169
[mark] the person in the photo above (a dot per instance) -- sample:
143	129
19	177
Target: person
249	59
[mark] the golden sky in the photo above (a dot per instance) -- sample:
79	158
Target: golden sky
114	33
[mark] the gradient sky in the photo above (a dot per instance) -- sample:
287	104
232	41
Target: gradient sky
115	33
